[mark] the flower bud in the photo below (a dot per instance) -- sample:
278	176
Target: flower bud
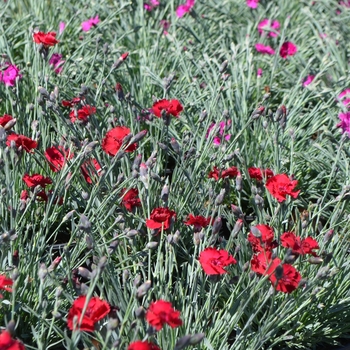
42	273
223	66
217	224
237	211
175	145
138	137
143	289
316	260
183	342
323	272
165	193
152	245
196	338
137	162
327	237
239	182
256	232
237	228
140	312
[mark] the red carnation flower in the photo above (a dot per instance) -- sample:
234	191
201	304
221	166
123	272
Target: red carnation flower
130	199
299	246
265	242
7	343
114	140
74	101
259	174
263	263
160	218
288	49
213	261
172	107
57	157
47	39
22	141
5	282
198	222
96	310
90	169
230	173
161	312
142	345
82	114
214	174
280	185
5	119
36	180
288	282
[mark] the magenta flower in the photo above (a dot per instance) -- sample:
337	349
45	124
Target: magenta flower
270	26
259	73
61	27
166	25
268	50
86	25
56	62
9	75
149	6
288	49
344	123
308	80
253	3
220	133
182	9
344	97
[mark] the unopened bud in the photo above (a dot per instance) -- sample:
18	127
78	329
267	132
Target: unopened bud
237	228
83	272
203	116
175	145
138	137
152	245
84	223
143	289
183	342
165	193
140	312
196	338
42	273
256	232
237	212
327	237
239	182
137	162
217	224
220	198
323	272
223	66
315	260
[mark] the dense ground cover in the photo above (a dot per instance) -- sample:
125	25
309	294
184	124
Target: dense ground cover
174	174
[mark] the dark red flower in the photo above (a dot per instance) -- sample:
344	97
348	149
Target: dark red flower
82	114
74	101
265	242
90	168
197	221
280	185
161	312
259	174
213	261
114	140
263	263
288	49
5	119
289	280
57	157
160	218
7	343
36	180
230	173
96	310
299	246
172	107
22	141
142	345
214	174
47	39
130	199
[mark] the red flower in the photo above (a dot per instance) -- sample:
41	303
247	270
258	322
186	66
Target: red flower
280	185
36	180
289	280
172	107
4	283
197	221
263	264
82	114
114	140
90	168
214	174
259	174
21	140
160	218
47	39
142	345
7	343
96	310
57	157
299	246
288	49
265	242
213	261
230	173
5	119
161	312
74	101
130	199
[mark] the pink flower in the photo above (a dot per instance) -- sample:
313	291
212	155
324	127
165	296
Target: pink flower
182	9
270	26
259	73
288	49
264	49
61	27
252	3
308	80
149	6
9	75
344	123
56	62
220	133
166	25
93	21
344	97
